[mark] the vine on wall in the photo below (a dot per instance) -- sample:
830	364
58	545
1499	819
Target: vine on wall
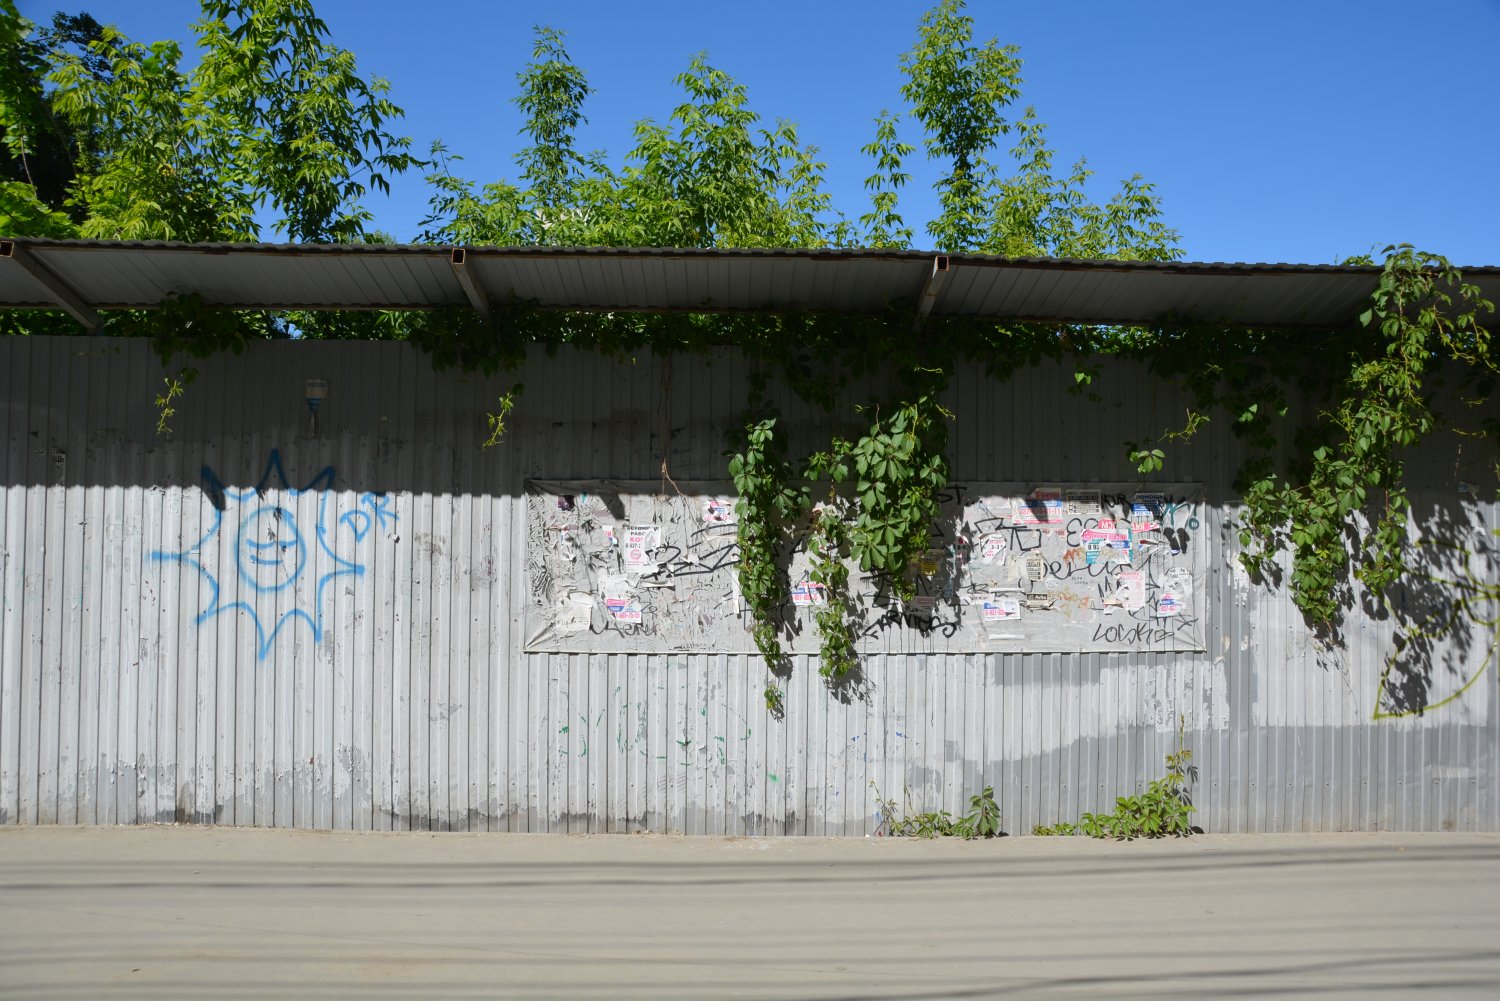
767	508
1337	502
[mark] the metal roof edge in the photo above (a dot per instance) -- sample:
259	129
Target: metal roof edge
710	253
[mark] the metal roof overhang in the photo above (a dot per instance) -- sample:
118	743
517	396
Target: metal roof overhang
85	276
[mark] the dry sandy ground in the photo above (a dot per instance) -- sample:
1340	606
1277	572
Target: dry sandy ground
231	913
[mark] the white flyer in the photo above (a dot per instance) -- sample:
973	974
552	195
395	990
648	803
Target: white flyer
640	543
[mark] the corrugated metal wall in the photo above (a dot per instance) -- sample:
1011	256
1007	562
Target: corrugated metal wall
382	685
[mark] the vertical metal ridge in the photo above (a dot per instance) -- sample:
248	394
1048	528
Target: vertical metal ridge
11	585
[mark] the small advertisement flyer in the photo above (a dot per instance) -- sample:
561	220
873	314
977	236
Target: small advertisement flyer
809	593
1084	503
640	543
718	511
1044	508
998	609
992	546
1145	512
616	593
1105	543
1130	589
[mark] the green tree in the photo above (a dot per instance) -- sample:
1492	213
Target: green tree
958	92
710	176
273	119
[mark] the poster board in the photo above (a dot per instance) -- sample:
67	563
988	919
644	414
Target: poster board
620	567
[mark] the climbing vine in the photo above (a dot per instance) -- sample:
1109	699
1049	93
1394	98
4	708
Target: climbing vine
828	546
881	499
899	467
767	507
1339	506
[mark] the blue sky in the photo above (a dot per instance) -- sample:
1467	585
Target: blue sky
1274	131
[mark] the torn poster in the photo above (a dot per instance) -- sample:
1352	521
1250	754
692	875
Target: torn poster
1112	553
616	593
1130	589
574	613
1043	508
929	562
1106	544
1145	512
718	511
992	546
1036	567
1177	584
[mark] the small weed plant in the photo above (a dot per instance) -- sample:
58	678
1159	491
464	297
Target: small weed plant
1165	809
982	820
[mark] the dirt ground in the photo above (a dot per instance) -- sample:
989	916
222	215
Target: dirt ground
169	912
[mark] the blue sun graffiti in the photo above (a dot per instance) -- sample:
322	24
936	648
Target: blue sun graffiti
272	552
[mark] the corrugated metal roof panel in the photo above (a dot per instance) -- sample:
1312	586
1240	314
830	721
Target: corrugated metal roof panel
132	274
18	287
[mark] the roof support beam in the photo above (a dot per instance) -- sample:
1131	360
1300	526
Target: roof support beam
65	297
481	302
930	289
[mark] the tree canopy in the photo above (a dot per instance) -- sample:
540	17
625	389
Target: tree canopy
107	137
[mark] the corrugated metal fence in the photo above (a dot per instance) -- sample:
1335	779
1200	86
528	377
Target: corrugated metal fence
380	681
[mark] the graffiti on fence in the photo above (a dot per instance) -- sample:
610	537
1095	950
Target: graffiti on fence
286	546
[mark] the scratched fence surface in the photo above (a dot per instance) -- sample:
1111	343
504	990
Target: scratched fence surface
252	623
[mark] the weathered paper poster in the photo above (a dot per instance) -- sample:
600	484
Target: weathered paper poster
1130	590
809	593
993	546
640	543
1145	512
718	511
1043	507
1084	504
1106	544
617	566
1176	585
999	608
